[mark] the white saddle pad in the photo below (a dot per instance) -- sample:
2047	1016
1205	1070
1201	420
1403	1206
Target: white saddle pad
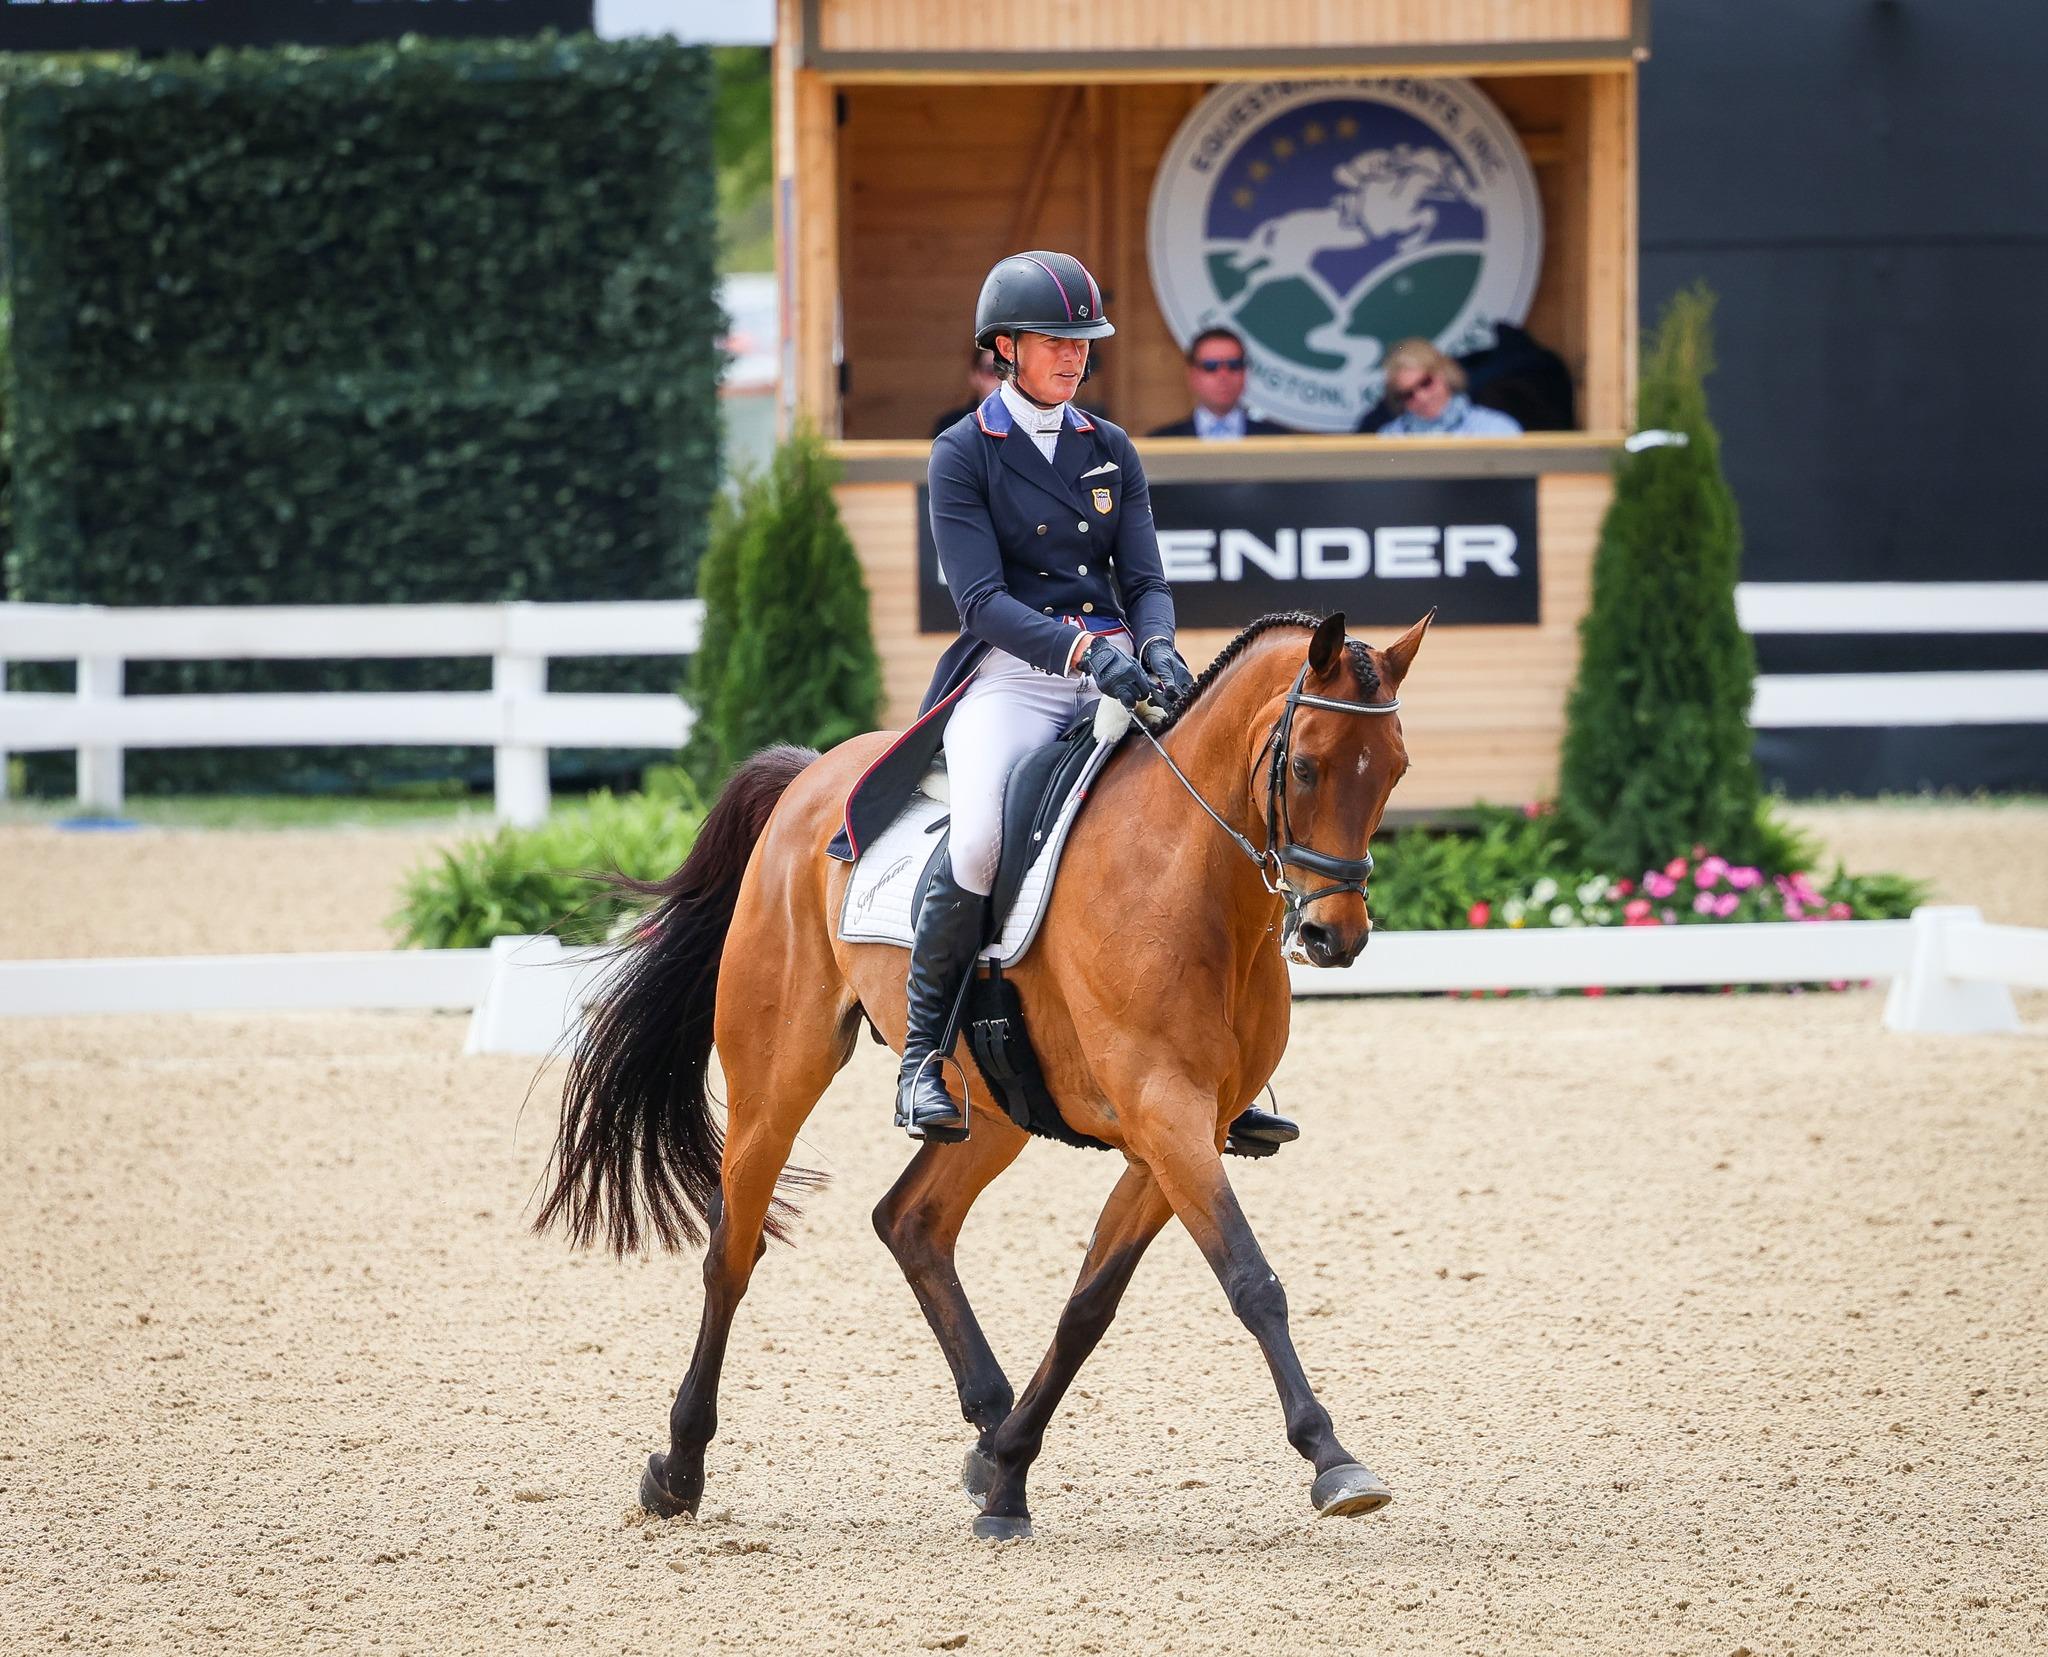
885	880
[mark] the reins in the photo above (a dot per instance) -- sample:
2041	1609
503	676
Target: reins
1345	874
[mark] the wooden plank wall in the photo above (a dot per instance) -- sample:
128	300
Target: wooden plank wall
1210	25
1483	715
933	181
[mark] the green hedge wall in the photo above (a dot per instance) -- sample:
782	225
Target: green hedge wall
432	321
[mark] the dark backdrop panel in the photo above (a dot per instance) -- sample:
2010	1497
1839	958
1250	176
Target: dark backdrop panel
1812	120
1910	759
1873	431
1865	185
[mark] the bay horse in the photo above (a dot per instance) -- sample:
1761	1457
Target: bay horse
1292	741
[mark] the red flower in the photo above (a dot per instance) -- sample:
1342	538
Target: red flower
1595	989
1479	914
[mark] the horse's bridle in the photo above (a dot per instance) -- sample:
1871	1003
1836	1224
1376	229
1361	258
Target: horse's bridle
1345	874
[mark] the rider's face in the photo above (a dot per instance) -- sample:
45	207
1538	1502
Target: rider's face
1048	370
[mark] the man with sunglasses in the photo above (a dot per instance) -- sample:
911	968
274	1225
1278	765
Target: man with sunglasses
1216	365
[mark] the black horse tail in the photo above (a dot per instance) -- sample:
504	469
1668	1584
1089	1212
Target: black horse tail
638	1153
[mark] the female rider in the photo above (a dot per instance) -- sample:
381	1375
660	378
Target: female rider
1044	533
1043	525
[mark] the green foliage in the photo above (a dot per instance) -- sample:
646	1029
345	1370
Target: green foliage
421	322
1524	869
1427	879
746	157
6	465
520	882
787	654
1657	750
703	756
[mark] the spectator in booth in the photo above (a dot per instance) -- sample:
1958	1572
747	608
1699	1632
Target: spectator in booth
1216	365
1517	374
981	384
1426	390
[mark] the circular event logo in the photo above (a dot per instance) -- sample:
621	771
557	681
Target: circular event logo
1327	220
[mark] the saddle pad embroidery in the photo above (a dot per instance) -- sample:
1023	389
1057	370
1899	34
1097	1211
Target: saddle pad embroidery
885	880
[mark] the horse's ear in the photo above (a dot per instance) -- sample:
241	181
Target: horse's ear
1401	653
1327	645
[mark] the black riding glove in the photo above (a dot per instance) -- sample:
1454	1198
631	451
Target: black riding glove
1163	662
1116	672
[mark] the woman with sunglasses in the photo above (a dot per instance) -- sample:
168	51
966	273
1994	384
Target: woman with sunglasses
1426	389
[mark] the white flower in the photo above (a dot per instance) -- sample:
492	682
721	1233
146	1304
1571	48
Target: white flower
1543	891
1594	890
1563	914
1514	910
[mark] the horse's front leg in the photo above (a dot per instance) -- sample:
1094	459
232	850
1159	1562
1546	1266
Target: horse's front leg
1190	1173
920	1221
1129	1221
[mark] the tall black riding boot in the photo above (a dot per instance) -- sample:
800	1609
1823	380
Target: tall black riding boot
949	936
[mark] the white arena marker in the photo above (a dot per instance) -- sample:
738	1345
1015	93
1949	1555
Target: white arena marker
535	997
1938	994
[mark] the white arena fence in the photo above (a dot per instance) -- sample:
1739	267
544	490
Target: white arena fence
1949	972
520	720
1898	608
518	716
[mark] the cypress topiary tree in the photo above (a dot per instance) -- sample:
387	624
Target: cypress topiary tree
703	755
1657	751
787	655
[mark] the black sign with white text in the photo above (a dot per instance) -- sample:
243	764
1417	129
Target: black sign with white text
1381	551
196	25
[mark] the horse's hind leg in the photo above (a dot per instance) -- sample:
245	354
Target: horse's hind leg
771	1094
1130	1220
920	1221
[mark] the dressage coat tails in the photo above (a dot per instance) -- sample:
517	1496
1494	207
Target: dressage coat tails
1023	542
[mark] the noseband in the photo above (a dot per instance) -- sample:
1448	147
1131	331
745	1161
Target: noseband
1345	874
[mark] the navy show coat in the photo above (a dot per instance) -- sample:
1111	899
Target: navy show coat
1023	542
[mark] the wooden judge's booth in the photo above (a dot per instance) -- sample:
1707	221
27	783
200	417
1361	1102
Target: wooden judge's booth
1324	179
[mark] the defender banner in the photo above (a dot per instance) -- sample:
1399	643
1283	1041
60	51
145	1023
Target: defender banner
1382	552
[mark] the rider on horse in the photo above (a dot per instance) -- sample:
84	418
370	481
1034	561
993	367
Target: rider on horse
1043	524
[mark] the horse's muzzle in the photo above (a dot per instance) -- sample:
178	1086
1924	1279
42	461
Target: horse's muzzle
1331	946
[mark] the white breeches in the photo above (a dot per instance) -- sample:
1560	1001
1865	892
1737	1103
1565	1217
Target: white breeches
1009	709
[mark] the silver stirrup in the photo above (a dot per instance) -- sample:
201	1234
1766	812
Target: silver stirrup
903	1119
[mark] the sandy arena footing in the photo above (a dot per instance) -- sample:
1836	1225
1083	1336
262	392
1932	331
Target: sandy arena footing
1687	1324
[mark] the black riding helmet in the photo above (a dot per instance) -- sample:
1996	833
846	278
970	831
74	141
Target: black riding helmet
1039	293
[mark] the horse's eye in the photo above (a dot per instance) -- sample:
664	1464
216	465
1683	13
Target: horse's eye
1304	769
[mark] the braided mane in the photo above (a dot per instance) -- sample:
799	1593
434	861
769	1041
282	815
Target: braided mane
1355	651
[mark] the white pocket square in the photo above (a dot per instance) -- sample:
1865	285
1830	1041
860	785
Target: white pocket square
1106	466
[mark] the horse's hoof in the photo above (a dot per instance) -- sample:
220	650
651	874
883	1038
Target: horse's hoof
977	1476
654	1494
1348	1490
993	1527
